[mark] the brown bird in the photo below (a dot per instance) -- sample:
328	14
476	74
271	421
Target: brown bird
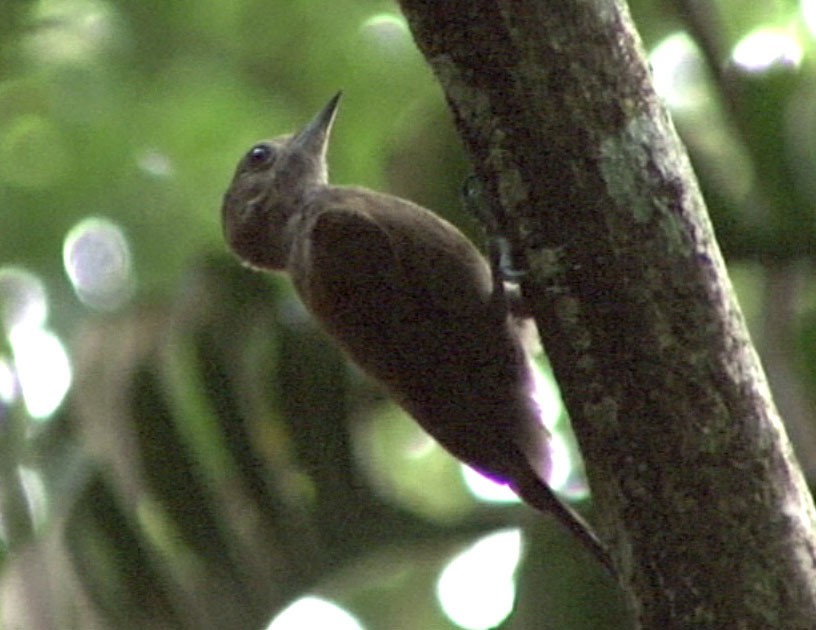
410	299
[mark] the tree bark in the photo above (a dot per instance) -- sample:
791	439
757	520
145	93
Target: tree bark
695	485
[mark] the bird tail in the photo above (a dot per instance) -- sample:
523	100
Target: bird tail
540	496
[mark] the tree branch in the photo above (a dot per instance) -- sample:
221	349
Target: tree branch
697	489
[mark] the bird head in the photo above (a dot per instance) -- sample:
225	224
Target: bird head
270	186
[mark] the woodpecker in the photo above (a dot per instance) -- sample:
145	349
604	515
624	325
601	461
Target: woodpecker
408	297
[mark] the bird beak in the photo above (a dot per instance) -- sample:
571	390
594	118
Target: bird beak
314	137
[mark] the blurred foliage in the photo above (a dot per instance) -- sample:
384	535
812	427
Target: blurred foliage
215	457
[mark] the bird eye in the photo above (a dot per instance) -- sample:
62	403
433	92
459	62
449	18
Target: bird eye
260	155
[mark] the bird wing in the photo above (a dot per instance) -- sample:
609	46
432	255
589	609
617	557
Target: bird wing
399	298
347	266
363	260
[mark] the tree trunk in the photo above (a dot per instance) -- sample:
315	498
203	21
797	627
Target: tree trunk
695	485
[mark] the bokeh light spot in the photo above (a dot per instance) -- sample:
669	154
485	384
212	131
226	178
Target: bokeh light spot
808	8
387	29
314	612
42	367
71	31
8	383
765	49
563	476
96	256
678	69
23	301
486	489
478	587
155	163
547	397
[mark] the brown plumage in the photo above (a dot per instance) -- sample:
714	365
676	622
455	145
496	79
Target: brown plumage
407	296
